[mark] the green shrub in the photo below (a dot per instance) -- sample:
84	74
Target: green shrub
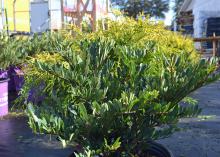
9	54
49	41
116	89
135	33
15	50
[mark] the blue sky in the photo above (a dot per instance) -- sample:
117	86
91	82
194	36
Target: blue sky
169	15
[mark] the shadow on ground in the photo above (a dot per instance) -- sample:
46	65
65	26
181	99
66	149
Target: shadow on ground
17	140
199	137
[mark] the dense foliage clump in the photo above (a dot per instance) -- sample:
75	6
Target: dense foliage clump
114	90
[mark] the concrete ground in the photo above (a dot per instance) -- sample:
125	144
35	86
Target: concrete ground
17	140
199	137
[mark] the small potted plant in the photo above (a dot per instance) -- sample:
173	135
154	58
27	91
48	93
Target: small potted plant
3	76
3	93
9	58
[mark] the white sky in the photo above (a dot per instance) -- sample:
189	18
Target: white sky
169	15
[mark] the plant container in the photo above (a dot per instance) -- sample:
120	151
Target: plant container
3	96
157	150
154	150
16	76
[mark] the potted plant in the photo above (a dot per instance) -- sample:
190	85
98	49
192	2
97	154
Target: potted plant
3	93
10	58
115	94
14	52
3	78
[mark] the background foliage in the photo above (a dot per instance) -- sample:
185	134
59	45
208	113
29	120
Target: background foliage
132	8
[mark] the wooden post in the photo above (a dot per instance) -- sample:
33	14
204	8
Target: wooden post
6	19
14	15
78	13
214	45
94	16
202	50
107	3
62	14
81	10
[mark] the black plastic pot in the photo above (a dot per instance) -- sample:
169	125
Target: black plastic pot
154	150
158	150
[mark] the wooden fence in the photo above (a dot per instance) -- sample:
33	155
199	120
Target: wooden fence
215	44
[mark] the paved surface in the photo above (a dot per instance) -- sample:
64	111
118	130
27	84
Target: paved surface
17	140
199	137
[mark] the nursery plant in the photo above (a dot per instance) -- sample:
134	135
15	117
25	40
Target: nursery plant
116	90
16	49
14	52
9	56
6	59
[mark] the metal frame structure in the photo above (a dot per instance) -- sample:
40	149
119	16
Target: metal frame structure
9	16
